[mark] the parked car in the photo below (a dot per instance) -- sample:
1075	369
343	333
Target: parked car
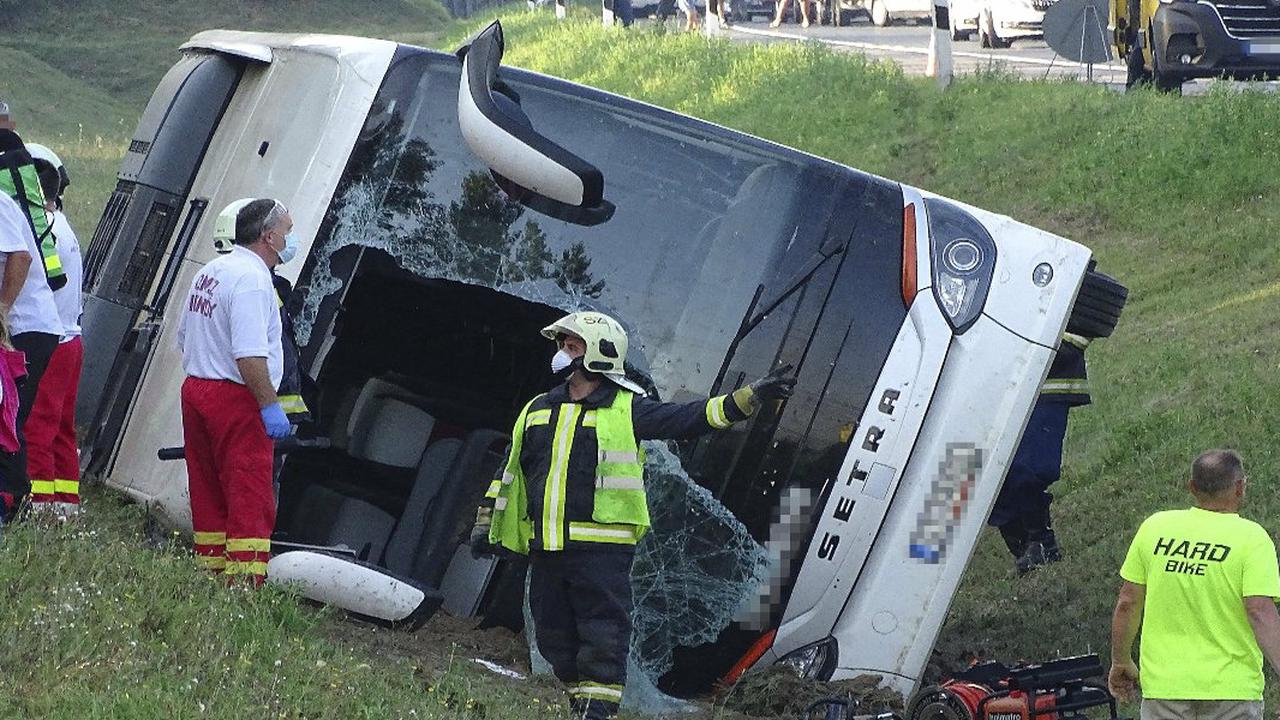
997	23
748	10
888	12
453	203
964	18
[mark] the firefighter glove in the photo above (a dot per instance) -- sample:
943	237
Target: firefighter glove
480	545
774	386
275	420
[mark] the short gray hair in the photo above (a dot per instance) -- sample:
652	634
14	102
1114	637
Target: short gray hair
256	218
1216	471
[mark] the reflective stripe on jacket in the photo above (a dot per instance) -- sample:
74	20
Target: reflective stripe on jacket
19	180
1068	380
575	473
290	391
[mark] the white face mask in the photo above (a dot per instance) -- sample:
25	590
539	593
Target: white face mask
560	361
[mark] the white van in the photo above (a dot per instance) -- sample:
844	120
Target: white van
920	328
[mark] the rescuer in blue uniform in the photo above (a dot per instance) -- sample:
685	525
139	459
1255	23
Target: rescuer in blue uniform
571	496
1021	512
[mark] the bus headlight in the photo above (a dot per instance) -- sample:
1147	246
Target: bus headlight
815	661
964	259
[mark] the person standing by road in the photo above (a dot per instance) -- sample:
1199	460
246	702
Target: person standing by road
782	10
572	498
229	335
53	459
691	18
1201	583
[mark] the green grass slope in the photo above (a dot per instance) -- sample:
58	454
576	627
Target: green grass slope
1178	197
87	127
97	625
78	73
123	47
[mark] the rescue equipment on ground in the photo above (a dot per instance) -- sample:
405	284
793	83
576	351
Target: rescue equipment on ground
1054	690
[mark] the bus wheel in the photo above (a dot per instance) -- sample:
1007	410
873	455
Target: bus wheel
1098	306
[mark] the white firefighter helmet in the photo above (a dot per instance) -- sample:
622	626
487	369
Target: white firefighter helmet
606	343
224	227
42	152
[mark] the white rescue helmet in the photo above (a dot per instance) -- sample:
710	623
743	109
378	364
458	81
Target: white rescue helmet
43	152
224	227
606	343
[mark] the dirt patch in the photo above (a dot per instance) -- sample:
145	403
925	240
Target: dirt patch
443	642
778	692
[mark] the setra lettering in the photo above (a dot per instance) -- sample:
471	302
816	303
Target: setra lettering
844	509
827	549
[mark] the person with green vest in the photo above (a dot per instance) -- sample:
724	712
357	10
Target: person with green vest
19	180
571	496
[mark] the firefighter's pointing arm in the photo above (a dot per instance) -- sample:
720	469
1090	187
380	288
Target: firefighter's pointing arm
678	421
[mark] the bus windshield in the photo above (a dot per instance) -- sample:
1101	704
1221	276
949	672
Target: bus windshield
696	224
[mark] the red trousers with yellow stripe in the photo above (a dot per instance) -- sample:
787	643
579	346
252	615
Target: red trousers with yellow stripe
53	462
229	460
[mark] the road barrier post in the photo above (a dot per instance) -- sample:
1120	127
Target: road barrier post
940	63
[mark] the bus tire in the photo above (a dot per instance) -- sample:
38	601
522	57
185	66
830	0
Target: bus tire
1098	306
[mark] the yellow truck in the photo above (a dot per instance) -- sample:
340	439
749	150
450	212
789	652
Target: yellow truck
1170	41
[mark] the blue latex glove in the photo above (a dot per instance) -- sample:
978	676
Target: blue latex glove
276	421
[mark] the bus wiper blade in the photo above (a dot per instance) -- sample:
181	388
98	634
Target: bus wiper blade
804	275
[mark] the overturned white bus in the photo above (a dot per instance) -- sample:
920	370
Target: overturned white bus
830	532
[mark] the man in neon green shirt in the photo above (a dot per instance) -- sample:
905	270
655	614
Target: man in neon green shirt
1202	584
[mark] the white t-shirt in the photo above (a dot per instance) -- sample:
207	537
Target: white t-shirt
231	313
34	309
68	297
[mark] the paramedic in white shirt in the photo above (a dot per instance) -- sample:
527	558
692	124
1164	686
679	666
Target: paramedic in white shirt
53	461
31	316
229	334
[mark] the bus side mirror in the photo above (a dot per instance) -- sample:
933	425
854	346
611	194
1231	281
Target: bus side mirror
533	170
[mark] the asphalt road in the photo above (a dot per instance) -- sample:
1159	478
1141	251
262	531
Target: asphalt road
908	45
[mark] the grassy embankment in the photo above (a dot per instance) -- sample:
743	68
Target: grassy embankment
78	73
1177	196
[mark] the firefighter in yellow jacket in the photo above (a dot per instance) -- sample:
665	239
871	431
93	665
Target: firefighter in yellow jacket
571	496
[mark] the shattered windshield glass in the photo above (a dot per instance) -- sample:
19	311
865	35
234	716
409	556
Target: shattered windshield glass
692	573
678	264
698	221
